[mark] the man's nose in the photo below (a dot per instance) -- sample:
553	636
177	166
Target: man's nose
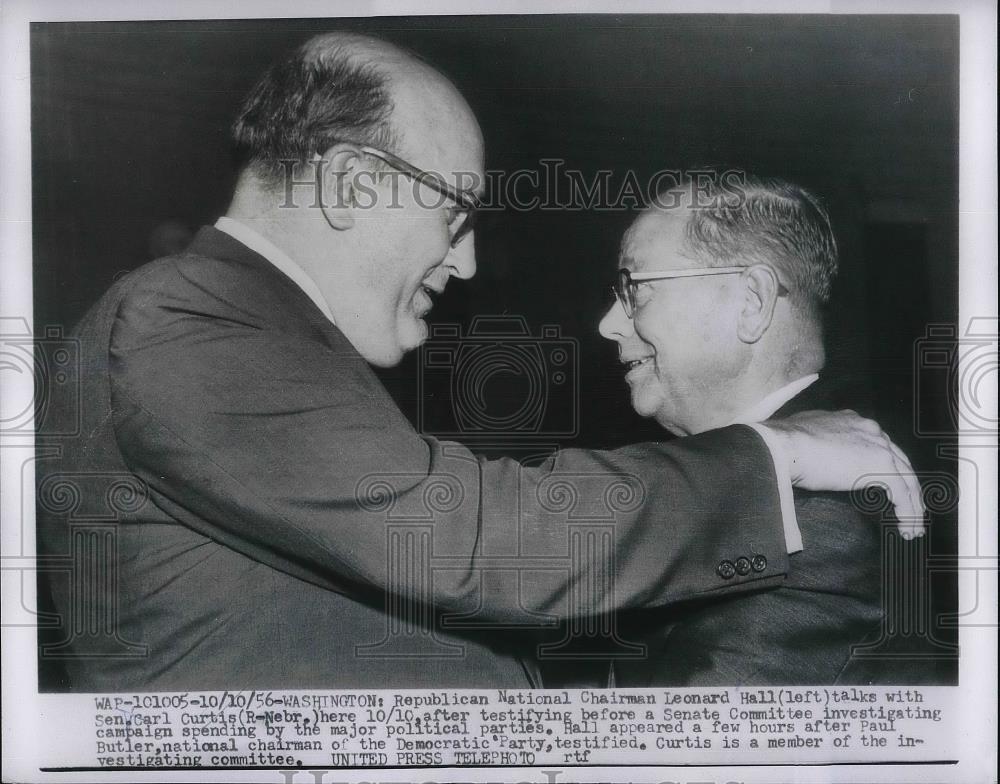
615	325
461	260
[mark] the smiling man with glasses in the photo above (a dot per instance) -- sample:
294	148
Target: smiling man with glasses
705	321
718	320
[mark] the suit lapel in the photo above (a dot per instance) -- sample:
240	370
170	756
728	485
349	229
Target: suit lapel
213	243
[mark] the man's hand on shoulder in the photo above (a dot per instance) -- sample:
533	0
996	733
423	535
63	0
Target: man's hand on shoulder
842	451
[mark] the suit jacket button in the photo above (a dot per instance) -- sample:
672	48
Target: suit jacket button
743	565
726	570
759	563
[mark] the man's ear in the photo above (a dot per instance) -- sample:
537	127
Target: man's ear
338	169
760	296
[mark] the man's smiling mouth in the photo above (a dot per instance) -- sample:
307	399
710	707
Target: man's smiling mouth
632	364
432	295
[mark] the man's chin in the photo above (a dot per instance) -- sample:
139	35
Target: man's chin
642	406
650	409
386	359
413	336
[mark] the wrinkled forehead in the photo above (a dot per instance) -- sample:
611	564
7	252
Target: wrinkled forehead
655	240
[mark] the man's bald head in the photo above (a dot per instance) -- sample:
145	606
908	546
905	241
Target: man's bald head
361	123
346	87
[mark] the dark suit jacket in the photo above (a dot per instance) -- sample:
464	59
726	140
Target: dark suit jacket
264	492
799	633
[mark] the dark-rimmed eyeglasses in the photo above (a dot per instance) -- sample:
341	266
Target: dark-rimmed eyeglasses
463	216
627	282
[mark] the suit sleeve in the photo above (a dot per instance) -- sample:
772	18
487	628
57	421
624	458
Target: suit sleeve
285	447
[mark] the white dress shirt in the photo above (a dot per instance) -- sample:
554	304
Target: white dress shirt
263	246
753	416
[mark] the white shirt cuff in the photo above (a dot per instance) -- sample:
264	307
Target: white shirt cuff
782	471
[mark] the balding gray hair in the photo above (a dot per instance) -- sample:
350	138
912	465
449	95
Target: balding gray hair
331	89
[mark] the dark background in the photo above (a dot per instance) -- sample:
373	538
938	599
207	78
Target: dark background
130	130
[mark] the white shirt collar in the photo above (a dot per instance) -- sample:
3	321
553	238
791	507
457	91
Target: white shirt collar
772	402
243	233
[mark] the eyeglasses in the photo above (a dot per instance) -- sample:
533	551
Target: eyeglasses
462	219
627	282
